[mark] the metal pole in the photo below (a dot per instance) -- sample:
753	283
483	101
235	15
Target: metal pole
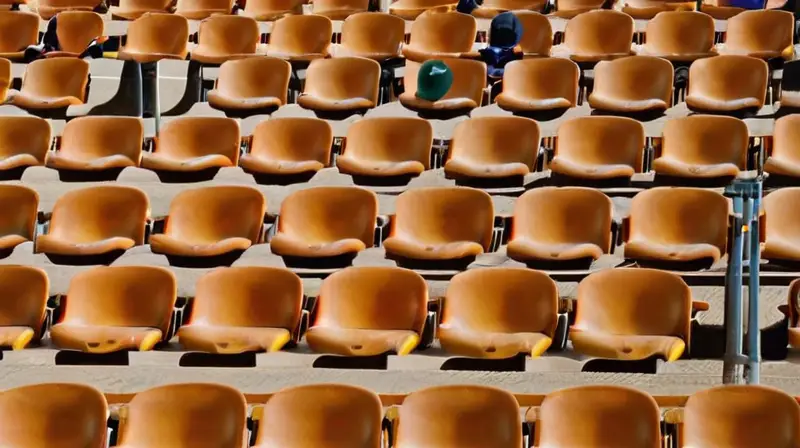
747	216
732	372
752	374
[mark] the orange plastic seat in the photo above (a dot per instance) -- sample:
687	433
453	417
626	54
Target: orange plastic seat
648	9
466	93
289	146
24	141
271	10
499	313
369	311
677	225
18	221
53	415
537	35
300	38
96	221
741	415
75	31
561	224
226	37
189	144
339	9
633	84
599	416
23	298
372	35
490	8
598	35
212	221
703	147
341	84
48	9
599	148
493	148
632	314
680	36
386	147
781	226
196	415
326	222
792	313
441	223
316	415
441	35
412	9
156	36
459	415
5	78
18	31
538	85
250	84
569	9
111	309
53	84
134	9
98	144
727	84
243	309
765	34
203	9
784	159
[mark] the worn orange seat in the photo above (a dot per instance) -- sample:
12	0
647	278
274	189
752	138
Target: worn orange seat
441	35
212	221
341	84
226	37
271	10
765	34
111	309
598	35
386	147
134	9
538	85
243	309
459	415
329	415
197	415
727	84
203	9
300	38
326	222
52	84
740	415
18	221
289	146
784	158
569	9
493	148
703	146
793	313
53	415
23	300
680	36
561	224
96	221
537	35
48	9
24	141
75	31
339	9
5	78
412	9
599	148
632	314
99	143
466	93
251	83
720	9
633	84
491	8
648	9
156	36
781	226
372	35
441	223
369	311
677	225
499	313
606	415
189	144
18	31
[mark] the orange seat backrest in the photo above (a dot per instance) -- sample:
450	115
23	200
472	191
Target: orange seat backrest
447	32
293	138
542	78
729	77
680	32
343	78
77	29
602	31
590	140
785	138
390	139
255	77
537	33
88	138
760	30
229	34
301	34
18	30
493	140
159	33
781	215
706	139
634	78
190	137
23	298
373	32
20	205
58	77
25	134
